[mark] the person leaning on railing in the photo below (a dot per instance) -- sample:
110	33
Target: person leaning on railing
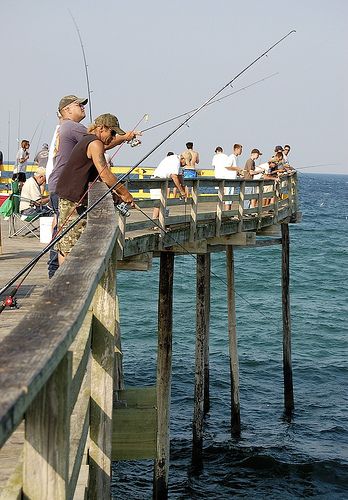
86	163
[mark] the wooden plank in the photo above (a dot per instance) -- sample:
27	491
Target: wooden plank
47	433
11	466
239	239
134	433
141	262
164	374
102	377
233	346
81	350
139	397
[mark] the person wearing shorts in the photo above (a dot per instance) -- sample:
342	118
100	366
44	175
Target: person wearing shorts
86	163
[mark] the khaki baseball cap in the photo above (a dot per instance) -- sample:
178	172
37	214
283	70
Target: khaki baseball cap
69	99
110	121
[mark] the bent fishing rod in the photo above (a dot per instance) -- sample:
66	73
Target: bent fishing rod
85	65
212	102
123	177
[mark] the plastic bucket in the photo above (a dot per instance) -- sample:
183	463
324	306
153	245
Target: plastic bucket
45	229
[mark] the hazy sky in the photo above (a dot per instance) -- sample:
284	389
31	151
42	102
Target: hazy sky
165	57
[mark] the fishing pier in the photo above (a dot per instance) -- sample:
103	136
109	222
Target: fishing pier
65	412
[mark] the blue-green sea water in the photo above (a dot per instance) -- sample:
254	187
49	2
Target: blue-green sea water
273	458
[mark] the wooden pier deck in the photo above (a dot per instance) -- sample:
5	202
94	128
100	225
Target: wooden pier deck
61	367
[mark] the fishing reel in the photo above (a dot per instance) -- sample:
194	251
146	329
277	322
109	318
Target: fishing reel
134	142
122	207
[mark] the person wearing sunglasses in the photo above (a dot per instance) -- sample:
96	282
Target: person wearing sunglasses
86	164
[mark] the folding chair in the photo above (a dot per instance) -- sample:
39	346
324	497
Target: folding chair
27	222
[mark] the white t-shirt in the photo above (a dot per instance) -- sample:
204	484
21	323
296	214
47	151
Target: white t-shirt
231	162
30	191
20	167
51	154
168	166
219	163
263	168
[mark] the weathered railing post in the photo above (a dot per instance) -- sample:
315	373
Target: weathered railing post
241	205
287	366
47	434
164	374
233	346
102	373
163	204
219	207
194	209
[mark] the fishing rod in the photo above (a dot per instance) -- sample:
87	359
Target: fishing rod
112	188
85	64
319	165
8	137
212	102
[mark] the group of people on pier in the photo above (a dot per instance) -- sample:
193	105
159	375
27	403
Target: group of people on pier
78	156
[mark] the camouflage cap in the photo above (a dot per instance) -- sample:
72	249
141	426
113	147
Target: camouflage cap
69	99
110	121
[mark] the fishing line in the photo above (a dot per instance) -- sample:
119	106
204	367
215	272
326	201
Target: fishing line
212	102
109	190
167	233
85	65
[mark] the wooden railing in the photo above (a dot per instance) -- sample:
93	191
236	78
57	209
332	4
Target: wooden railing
60	367
57	370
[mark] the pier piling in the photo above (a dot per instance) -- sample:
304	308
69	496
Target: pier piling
164	373
201	356
207	326
287	366
233	347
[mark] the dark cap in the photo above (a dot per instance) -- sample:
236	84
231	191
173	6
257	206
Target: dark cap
256	151
278	148
69	99
110	121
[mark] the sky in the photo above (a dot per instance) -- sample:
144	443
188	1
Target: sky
164	57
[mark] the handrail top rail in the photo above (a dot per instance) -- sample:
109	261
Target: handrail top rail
28	360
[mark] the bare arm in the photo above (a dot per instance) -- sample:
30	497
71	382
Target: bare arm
95	151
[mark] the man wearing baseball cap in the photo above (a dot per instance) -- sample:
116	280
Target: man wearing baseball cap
86	163
71	112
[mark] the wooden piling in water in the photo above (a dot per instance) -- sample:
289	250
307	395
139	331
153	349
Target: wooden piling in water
233	346
207	325
287	366
200	364
164	372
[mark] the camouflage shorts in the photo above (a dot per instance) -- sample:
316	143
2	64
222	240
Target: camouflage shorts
67	210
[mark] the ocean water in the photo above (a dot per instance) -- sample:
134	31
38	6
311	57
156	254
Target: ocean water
273	458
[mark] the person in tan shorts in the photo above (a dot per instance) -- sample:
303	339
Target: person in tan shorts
86	163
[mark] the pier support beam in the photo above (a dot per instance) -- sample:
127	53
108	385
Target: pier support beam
233	347
207	268
164	372
202	356
287	366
